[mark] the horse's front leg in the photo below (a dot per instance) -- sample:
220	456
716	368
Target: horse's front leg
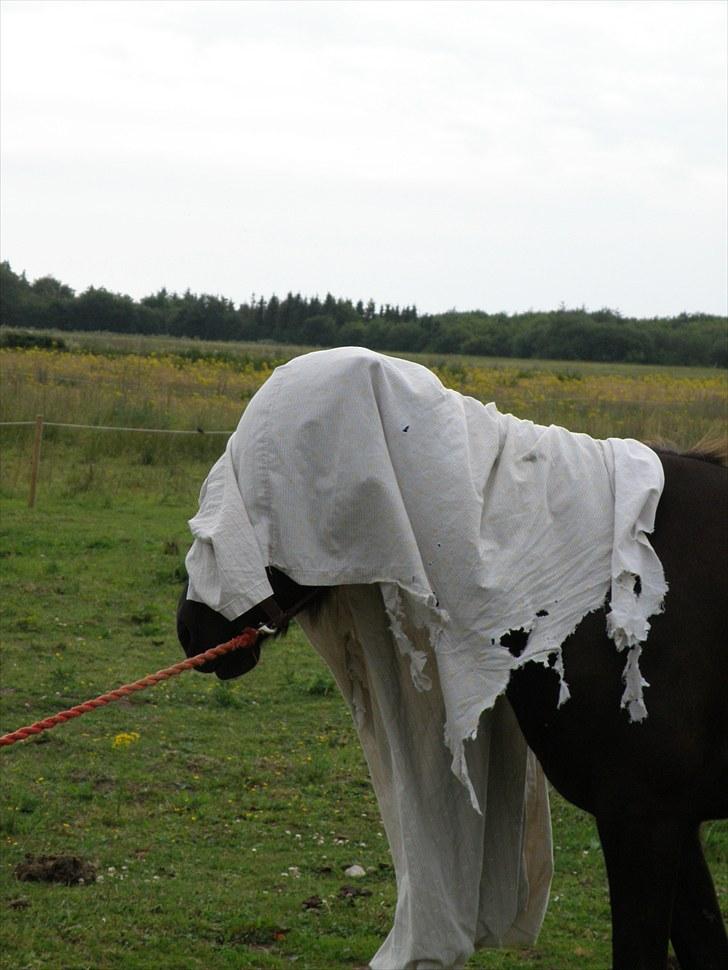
642	857
698	933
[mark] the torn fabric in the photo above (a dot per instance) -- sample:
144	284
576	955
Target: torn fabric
351	468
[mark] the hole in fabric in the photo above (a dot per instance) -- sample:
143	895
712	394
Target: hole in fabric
405	429
542	613
515	641
637	586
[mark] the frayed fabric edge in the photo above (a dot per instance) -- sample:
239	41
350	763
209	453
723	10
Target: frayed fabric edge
392	598
628	624
428	616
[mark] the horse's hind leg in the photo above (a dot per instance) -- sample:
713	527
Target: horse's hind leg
698	934
642	857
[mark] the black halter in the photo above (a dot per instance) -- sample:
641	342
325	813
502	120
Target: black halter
279	619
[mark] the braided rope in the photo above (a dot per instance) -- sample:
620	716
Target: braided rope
246	639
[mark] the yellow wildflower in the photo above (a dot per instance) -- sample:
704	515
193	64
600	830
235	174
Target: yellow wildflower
124	739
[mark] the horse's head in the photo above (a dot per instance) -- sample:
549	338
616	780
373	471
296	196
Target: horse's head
199	627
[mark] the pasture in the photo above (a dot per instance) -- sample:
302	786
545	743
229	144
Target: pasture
221	817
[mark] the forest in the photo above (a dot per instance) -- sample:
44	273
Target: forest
695	339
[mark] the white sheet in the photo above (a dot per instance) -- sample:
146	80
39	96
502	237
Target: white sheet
351	468
465	880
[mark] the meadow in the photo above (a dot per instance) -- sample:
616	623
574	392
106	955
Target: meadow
220	817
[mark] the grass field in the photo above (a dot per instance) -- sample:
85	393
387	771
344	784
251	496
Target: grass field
213	812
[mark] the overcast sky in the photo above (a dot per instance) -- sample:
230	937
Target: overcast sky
490	155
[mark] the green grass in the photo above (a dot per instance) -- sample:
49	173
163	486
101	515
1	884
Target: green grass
196	825
237	802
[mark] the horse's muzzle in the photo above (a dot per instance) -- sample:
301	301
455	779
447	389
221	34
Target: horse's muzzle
199	628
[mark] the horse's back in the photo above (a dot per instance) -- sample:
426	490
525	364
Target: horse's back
676	759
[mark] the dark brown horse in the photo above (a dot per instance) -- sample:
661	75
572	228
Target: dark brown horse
648	784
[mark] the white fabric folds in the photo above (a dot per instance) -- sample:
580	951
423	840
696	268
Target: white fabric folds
465	880
350	468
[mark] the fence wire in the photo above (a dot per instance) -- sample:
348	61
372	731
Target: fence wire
104	427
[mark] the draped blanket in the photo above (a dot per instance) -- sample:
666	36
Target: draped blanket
352	469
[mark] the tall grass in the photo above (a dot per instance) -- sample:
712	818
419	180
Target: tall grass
196	387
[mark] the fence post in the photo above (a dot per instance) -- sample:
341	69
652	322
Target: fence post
36	459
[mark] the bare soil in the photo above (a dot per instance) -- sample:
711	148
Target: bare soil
70	870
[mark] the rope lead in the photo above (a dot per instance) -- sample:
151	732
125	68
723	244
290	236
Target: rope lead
243	641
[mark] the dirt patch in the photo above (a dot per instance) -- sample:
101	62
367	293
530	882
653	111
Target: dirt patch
352	892
70	870
20	903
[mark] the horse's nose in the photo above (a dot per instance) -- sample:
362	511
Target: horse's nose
184	635
184	631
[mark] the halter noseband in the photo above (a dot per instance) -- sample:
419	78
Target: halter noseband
278	619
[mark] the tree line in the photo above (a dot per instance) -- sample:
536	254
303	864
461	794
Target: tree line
563	334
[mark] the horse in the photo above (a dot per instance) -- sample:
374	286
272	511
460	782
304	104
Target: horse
649	785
